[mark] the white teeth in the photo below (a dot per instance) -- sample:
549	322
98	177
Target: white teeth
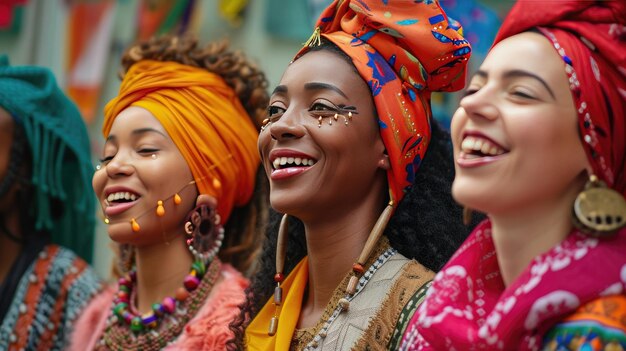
475	144
292	161
121	196
485	148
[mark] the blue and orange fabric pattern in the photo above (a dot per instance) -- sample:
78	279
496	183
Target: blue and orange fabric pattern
410	50
599	325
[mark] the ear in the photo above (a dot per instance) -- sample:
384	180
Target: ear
204	199
384	163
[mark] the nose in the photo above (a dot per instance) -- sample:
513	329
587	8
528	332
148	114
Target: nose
288	126
119	166
481	104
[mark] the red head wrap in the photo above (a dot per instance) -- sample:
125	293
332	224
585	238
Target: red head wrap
590	36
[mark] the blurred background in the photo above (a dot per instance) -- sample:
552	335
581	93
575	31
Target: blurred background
82	41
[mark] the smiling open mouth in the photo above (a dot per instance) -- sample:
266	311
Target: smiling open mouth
475	147
119	201
288	162
121	197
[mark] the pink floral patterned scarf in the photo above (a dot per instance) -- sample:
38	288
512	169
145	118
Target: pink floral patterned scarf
469	308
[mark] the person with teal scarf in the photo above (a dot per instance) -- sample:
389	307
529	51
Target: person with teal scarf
46	211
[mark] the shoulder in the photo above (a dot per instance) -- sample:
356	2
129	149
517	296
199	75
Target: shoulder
406	294
423	276
209	329
91	323
597	325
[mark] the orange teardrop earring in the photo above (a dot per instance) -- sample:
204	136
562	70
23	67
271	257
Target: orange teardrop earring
217	184
134	225
160	210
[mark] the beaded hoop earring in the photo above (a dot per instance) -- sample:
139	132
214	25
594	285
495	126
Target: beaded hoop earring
206	233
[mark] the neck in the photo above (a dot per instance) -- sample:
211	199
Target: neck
161	269
334	244
526	233
9	249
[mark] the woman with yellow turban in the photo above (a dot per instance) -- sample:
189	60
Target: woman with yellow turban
179	191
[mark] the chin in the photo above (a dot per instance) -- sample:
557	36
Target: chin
473	196
121	233
289	202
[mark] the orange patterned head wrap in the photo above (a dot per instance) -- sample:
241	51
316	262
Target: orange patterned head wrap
206	121
404	50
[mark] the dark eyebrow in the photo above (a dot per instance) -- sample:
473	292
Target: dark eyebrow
280	89
138	131
318	86
520	73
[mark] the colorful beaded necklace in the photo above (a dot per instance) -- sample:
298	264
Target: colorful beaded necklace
126	330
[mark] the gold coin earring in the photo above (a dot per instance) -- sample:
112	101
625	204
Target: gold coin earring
599	210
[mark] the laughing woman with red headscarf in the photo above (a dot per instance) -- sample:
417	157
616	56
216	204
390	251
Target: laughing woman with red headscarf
179	191
540	147
347	130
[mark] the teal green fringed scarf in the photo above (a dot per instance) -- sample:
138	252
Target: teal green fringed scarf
59	144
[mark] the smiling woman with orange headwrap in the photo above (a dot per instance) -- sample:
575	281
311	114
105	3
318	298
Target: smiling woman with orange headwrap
178	187
352	152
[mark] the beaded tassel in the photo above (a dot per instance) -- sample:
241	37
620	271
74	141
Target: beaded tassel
357	267
281	251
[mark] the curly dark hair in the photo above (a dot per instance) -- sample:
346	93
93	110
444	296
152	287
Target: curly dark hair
246	223
245	78
427	225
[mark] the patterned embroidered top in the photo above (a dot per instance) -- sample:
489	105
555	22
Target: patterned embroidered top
49	297
596	326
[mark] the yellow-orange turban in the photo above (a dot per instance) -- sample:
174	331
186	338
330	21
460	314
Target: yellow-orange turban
204	118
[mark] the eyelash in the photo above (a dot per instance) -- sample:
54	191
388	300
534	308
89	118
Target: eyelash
272	111
317	109
325	111
140	151
469	91
522	95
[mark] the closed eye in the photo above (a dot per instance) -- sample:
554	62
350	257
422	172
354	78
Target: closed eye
522	94
106	159
469	91
147	151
